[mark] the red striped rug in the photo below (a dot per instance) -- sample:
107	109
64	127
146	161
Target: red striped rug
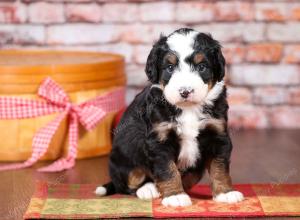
77	201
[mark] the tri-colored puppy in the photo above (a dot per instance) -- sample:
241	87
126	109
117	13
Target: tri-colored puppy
177	126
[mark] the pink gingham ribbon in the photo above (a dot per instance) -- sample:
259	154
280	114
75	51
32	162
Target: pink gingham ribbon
88	114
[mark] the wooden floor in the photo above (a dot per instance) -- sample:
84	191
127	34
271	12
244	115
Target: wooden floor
262	156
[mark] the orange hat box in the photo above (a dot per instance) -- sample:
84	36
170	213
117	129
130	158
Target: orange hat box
83	76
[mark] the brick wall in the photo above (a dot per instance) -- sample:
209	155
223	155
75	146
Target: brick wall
261	42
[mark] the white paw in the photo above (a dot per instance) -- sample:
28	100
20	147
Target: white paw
229	197
177	200
100	191
147	191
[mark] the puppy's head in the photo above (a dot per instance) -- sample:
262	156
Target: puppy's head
186	64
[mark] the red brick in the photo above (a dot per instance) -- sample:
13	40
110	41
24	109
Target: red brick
255	74
238	95
223	32
270	95
25	34
234	31
287	32
264	52
120	12
136	33
83	12
131	92
42	12
234	11
233	53
145	33
12	12
294	96
136	75
82	34
157	11
123	49
271	11
141	53
247	116
253	32
119	48
295	12
194	12
75	1
292	54
285	117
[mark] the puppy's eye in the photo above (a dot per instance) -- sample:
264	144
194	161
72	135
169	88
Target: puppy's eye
201	67
170	68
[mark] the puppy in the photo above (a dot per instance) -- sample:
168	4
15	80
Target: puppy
177	126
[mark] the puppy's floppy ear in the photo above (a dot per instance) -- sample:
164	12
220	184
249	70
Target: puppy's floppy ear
206	42
218	63
152	68
152	65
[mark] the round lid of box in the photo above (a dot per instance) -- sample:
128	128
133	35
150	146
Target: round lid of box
22	71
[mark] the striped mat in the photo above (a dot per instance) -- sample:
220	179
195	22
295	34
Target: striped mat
77	201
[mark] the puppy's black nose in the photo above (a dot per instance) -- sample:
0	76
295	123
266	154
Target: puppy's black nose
185	92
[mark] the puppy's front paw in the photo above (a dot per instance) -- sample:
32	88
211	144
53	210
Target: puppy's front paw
147	191
229	197
177	200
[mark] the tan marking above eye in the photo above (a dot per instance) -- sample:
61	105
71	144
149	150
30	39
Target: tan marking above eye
172	58
198	58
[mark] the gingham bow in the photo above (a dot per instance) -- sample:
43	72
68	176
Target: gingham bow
88	113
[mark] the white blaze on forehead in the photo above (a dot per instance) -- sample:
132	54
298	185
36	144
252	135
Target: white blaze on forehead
182	43
184	76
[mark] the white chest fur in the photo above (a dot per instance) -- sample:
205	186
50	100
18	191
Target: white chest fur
189	123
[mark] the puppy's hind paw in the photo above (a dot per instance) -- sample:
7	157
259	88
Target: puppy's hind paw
229	197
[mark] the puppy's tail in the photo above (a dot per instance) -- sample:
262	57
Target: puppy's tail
105	190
